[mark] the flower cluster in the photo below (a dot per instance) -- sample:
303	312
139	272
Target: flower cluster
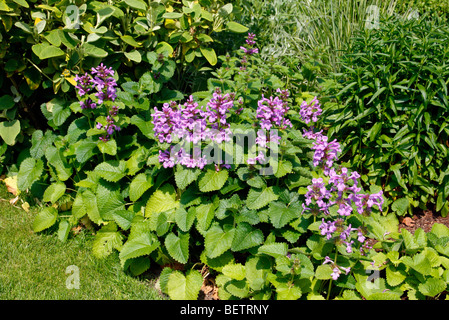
310	111
251	43
339	189
336	269
169	159
325	152
100	78
272	111
216	113
192	124
110	126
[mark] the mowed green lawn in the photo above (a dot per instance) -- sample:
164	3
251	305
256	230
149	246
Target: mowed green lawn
33	266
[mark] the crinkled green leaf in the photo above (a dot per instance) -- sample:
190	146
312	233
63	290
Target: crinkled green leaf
54	191
45	219
111	171
30	170
246	236
180	287
259	199
217	241
212	180
139	246
178	246
141	183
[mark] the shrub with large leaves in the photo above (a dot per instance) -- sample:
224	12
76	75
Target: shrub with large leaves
44	44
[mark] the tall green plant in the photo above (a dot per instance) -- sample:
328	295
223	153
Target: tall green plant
394	112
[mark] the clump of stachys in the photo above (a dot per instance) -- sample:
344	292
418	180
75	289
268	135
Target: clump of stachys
190	123
101	81
338	188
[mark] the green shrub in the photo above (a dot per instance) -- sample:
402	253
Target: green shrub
431	7
45	44
394	113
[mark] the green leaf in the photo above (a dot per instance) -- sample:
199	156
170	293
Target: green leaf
40	143
108	147
288	292
141	183
237	288
106	240
9	130
276	249
284	167
281	214
384	296
85	150
123	218
45	219
30	171
217	241
60	112
130	40
55	191
184	219
210	55
58	161
205	214
89	205
236	27
46	51
162	200
234	271
6	102
137	4
172	15
180	287
440	230
259	199
94	51
111	171
178	246
134	56
257	269
109	200
400	206
185	176
139	246
63	230
212	180
246	237
396	275
432	287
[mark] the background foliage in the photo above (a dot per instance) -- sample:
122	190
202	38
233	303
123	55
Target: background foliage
394	109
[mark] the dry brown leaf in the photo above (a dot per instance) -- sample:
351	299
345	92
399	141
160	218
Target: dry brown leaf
408	221
11	185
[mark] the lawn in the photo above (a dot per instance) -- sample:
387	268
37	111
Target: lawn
34	266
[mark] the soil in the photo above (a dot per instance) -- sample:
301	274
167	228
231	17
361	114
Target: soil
424	220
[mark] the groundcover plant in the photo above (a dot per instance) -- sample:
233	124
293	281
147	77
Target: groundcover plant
238	179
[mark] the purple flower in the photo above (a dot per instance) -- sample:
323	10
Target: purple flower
310	111
251	43
325	152
99	125
327	228
83	84
272	112
102	71
335	273
249	51
262	140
